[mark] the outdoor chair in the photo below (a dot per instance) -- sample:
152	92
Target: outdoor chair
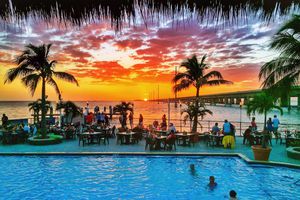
211	141
193	139
120	138
83	138
7	137
149	142
113	131
135	138
169	144
103	137
70	134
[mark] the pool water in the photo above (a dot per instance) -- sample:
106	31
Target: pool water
142	177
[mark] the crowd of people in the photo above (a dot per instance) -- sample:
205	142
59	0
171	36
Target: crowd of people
272	126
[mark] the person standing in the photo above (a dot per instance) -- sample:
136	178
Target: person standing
226	127
270	125
253	125
131	120
96	110
276	123
141	119
110	112
4	120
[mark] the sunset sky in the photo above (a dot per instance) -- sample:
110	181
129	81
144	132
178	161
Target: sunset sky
130	64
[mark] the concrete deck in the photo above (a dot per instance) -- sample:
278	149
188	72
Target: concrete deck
278	153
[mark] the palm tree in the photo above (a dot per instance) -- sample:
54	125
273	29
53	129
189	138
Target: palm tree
283	72
194	76
123	108
192	111
71	110
33	67
262	104
36	106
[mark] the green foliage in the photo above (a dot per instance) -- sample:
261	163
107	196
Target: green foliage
194	75
283	72
123	107
295	143
262	104
193	110
33	67
70	109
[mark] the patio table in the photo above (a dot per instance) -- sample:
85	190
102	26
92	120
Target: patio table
126	136
92	136
184	138
217	138
161	132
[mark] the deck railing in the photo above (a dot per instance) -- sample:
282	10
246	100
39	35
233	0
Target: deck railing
206	125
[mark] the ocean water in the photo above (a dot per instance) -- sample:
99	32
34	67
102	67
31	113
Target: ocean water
153	111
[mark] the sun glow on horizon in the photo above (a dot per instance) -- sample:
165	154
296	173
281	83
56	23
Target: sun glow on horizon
127	65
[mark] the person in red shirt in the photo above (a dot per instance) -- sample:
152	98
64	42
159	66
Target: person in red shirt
89	118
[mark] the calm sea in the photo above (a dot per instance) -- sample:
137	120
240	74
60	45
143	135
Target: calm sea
154	111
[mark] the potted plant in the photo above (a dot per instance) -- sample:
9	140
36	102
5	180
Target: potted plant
262	104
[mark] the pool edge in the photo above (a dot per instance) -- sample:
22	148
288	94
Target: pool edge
240	155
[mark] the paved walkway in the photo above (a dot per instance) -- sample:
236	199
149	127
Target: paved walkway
278	153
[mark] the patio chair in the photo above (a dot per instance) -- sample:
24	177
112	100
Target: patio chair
211	141
120	138
193	139
103	137
82	138
70	134
7	137
135	138
149	142
169	144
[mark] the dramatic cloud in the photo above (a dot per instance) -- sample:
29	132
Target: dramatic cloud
141	55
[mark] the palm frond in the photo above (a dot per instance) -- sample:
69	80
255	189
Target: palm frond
31	81
216	82
183	85
179	76
213	74
293	24
52	82
66	77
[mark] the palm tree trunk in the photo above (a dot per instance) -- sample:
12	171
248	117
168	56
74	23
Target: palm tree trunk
265	120
43	123
197	108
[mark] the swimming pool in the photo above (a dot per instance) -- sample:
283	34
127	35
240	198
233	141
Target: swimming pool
142	177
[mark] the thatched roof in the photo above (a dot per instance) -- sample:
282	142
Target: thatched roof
77	12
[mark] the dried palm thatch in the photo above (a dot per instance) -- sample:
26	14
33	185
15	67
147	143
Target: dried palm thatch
119	11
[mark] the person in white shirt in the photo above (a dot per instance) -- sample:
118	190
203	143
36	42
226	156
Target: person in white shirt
172	127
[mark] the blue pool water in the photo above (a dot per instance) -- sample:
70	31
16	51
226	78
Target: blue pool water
142	177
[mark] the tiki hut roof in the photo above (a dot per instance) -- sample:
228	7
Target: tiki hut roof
78	12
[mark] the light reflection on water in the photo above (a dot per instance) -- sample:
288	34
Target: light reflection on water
154	111
146	177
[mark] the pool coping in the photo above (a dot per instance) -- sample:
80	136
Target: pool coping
240	155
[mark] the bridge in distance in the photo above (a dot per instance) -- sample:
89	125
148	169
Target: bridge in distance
238	98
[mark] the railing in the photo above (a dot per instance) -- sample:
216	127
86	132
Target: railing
206	125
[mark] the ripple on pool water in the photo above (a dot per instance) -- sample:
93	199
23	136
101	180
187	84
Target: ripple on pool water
149	177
